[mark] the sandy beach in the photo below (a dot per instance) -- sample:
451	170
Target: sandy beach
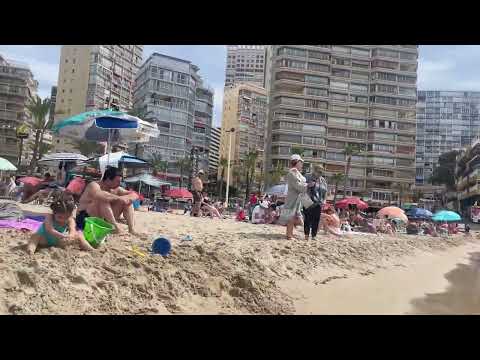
228	268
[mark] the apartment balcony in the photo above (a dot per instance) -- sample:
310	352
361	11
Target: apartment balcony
304	71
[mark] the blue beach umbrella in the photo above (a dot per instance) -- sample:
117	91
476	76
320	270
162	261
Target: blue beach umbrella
446	216
99	126
419	213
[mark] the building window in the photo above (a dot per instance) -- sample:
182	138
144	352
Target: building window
73	71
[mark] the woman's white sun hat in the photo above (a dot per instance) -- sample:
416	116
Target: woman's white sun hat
296	157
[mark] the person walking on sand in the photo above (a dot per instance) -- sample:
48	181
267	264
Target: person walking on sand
107	200
297	185
317	190
197	188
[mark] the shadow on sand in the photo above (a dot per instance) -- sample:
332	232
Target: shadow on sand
462	295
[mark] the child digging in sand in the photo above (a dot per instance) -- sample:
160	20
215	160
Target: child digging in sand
58	228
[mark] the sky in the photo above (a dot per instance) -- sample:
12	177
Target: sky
441	67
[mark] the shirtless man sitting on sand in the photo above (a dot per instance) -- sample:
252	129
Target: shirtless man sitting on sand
107	200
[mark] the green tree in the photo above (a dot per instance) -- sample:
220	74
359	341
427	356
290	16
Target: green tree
184	165
158	165
444	173
276	174
297	150
39	110
223	164
88	148
43	148
349	151
337	178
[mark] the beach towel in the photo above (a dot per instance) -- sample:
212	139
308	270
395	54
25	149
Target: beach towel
26	224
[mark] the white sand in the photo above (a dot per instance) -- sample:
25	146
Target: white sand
229	267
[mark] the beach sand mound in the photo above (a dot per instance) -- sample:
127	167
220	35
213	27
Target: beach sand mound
228	268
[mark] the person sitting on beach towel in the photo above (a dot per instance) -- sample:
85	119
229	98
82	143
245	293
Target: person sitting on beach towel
272	214
107	200
259	213
59	227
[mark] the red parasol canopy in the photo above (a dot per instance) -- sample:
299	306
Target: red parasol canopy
30	180
177	193
352	201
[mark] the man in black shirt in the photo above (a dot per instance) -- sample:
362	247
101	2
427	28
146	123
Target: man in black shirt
317	190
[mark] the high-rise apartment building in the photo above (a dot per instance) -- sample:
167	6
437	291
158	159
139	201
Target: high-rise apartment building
324	97
172	92
17	88
245	110
95	77
446	120
245	63
214	151
53	101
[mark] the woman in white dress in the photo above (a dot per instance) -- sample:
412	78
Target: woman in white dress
297	185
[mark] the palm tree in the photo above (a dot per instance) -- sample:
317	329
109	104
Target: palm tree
349	151
158	165
250	163
39	110
184	165
337	178
223	163
43	149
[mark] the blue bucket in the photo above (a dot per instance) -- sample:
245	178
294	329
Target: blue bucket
161	246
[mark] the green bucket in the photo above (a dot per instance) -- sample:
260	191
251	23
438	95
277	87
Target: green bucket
96	230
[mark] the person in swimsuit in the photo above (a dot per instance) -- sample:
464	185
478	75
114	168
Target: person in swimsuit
58	228
107	200
197	185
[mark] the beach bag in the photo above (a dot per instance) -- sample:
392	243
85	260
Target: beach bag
286	214
305	200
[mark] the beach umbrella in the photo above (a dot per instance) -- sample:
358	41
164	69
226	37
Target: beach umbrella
106	126
177	193
419	213
55	159
96	125
446	216
390	211
6	165
148	180
344	203
120	158
30	180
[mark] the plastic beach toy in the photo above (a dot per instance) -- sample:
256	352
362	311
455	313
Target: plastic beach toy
96	230
187	238
161	246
